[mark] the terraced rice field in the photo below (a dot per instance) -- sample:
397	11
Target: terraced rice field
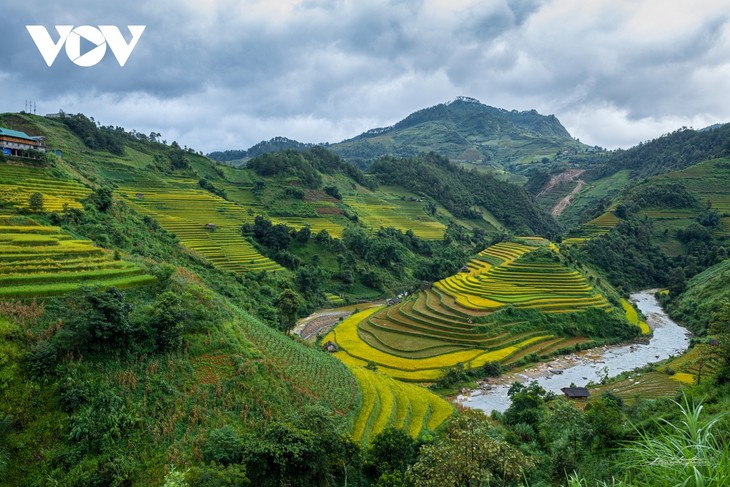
315	224
401	214
600	225
549	287
17	183
189	212
415	340
43	260
651	385
390	403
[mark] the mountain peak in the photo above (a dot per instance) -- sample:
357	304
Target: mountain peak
465	130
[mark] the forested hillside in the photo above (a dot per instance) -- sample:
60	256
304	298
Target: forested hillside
466	193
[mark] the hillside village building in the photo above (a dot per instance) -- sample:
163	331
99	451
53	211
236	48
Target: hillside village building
13	142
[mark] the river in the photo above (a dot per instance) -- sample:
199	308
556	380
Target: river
668	339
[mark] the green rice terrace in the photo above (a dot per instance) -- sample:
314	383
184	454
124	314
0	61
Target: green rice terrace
465	319
707	183
204	223
38	260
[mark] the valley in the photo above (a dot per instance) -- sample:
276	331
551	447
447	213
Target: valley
329	302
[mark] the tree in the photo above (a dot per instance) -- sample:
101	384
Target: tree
311	278
393	450
288	303
101	199
468	455
35	201
168	321
528	404
100	321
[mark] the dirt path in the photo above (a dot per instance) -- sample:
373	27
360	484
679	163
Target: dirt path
322	321
564	177
561	205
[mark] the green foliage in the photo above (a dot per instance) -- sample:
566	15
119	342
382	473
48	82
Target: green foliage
393	450
307	449
460	191
35	201
628	257
208	186
175	478
214	475
98	321
691	452
527	405
101	199
94	136
469	454
670	195
307	166
223	446
288	304
672	151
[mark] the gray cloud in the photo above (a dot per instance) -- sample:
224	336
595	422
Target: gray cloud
220	74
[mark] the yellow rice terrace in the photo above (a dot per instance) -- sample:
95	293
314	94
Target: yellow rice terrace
514	302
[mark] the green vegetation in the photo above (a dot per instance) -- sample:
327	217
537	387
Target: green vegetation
466	131
147	296
466	194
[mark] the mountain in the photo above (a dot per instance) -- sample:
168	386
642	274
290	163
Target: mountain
466	131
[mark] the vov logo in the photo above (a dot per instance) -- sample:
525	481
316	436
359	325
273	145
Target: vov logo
71	37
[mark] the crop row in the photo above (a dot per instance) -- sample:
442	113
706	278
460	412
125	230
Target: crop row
304	368
546	286
204	223
402	215
42	261
389	403
356	351
18	183
633	317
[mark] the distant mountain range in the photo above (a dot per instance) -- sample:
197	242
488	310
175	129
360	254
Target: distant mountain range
464	130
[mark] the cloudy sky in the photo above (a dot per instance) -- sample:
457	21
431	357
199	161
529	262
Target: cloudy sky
223	74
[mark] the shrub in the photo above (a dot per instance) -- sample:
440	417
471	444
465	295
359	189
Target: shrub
223	446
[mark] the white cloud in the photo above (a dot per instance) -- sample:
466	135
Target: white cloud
614	71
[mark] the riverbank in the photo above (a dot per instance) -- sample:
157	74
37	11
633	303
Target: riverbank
595	365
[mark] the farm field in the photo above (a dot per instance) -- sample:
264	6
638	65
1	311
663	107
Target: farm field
708	183
436	328
391	403
37	260
17	183
204	223
510	280
600	225
394	210
633	317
